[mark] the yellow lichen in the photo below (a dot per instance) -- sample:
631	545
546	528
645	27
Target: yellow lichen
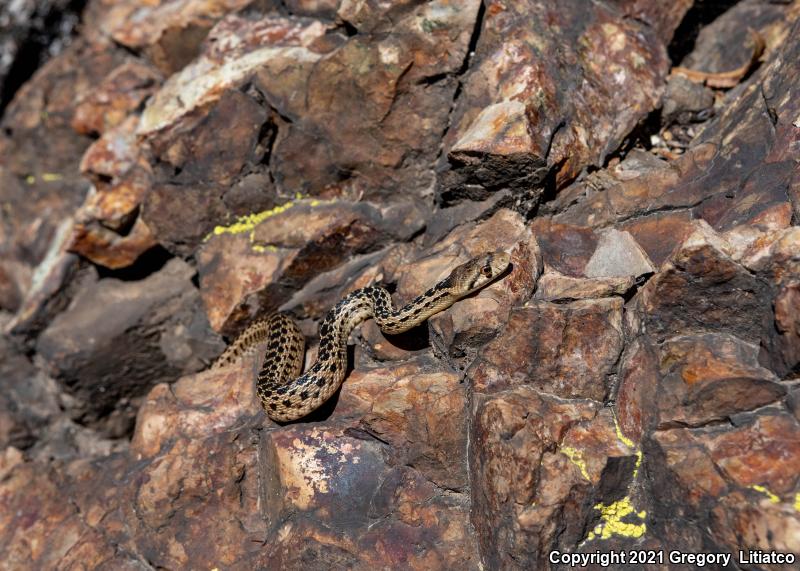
797	501
46	177
248	223
611	521
612	515
638	463
576	457
630	444
772	497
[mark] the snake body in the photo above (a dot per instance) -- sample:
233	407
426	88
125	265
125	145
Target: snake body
288	395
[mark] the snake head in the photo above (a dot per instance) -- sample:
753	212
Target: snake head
478	272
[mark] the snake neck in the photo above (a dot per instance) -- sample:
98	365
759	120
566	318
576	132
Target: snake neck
415	312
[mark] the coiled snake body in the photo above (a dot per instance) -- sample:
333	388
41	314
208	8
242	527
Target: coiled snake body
286	394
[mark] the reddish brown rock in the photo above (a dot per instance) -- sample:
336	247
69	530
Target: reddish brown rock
398	518
183	208
703	288
511	125
706	378
404	82
569	350
535	463
565	249
253	266
109	230
119	95
169	33
638	388
641	394
737	171
40	183
419	411
660	233
748	473
746	25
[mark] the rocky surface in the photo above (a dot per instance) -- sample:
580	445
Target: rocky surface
184	167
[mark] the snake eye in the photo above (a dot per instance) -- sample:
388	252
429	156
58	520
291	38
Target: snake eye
486	270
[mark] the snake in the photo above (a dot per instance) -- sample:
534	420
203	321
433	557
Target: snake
286	393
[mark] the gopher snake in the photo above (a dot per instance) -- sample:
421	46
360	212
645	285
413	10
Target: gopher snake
286	394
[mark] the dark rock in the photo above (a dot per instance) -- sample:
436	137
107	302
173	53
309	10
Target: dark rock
730	41
703	289
155	335
30	32
685	102
706	378
27	401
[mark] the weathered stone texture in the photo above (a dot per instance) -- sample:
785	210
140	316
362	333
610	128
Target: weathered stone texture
511	127
185	167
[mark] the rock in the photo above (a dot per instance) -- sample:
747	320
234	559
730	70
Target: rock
748	476
702	288
108	230
685	102
51	289
618	254
660	233
31	32
118	96
27	402
40	182
565	249
744	186
629	384
422	417
569	350
706	378
405	83
182	209
169	34
536	463
253	266
553	286
511	127
156	335
743	26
